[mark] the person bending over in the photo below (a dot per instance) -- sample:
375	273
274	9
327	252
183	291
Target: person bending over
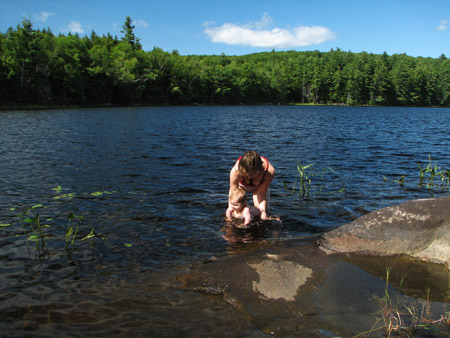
253	173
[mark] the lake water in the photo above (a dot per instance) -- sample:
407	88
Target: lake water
151	183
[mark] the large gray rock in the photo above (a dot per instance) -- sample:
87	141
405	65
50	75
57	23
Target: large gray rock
418	228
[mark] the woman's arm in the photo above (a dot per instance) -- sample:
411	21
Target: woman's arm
247	216
234	179
260	195
234	184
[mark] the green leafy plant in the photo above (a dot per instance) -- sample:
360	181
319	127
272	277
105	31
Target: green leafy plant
90	235
432	172
34	229
306	176
72	231
409	321
431	177
31	223
400	181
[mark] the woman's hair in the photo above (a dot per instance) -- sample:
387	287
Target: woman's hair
251	162
239	194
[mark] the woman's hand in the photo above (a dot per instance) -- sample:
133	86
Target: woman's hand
264	215
228	214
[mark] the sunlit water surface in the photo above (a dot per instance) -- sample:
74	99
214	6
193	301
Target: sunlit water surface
150	184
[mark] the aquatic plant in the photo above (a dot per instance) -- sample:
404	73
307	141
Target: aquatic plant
34	230
400	181
305	178
72	232
431	177
90	235
428	175
409	321
31	223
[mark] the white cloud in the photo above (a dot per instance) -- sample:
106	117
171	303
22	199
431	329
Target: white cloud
141	23
265	21
443	25
43	16
260	35
74	27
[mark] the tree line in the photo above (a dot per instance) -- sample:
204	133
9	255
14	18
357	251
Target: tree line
38	67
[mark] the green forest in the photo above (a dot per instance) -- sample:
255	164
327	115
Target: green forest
39	68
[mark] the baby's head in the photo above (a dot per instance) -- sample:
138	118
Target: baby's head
238	199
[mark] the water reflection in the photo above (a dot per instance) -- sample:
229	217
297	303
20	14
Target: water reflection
258	231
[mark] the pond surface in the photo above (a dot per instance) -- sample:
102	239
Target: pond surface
148	186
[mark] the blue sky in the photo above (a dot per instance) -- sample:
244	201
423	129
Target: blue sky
414	27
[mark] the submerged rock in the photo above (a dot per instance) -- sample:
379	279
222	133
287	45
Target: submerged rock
280	280
292	288
341	286
418	228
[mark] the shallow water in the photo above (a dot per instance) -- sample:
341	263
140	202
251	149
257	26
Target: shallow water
151	186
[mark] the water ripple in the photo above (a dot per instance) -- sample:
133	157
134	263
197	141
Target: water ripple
151	185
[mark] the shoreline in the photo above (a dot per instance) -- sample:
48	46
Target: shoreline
46	107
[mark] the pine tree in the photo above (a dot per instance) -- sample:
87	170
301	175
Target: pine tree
129	37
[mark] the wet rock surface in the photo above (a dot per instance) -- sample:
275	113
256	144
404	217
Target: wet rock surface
336	285
418	228
292	288
280	280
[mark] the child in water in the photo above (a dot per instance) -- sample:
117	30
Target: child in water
238	207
